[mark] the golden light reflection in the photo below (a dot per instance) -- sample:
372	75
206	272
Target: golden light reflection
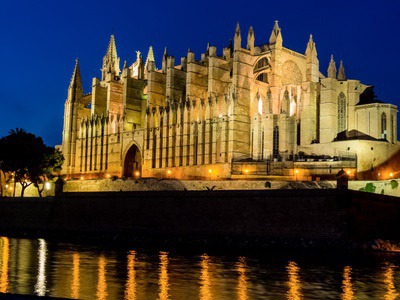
101	282
205	282
5	256
242	284
163	284
294	292
131	285
347	286
388	279
40	287
75	283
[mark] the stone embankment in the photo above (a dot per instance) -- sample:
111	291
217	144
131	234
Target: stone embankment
256	218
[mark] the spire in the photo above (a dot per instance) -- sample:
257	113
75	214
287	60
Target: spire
311	51
312	73
76	80
332	68
150	58
341	73
237	40
164	60
250	39
276	36
75	89
110	60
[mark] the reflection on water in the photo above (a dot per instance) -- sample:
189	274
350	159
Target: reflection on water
242	284
205	282
163	277
294	292
102	282
391	292
40	287
347	286
72	271
5	254
75	282
130	286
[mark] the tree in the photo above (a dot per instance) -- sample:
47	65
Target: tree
51	163
28	158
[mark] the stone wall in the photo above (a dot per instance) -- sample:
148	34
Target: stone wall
151	184
276	215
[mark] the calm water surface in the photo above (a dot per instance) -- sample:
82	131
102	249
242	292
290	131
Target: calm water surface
40	267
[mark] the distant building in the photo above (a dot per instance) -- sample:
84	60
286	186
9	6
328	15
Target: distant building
262	109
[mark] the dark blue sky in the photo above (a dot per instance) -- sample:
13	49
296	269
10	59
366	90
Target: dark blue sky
42	38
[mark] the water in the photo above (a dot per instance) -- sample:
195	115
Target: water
40	267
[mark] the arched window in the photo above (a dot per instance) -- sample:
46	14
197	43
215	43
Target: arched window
383	125
263	62
263	77
342	116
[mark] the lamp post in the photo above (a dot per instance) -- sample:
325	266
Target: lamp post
210	172
296	172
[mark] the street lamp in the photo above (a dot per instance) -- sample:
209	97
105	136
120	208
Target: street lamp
391	174
137	174
296	172
210	171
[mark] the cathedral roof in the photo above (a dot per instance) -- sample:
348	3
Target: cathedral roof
368	96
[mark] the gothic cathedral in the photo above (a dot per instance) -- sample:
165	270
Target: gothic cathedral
263	108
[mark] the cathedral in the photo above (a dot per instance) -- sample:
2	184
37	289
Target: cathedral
248	110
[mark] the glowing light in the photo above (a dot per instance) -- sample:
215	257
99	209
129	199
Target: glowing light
102	283
137	173
6	186
242	284
5	255
209	171
391	174
294	281
391	293
75	283
82	178
347	286
169	172
246	171
47	185
40	286
296	171
205	282
108	175
260	106
163	284
131	285
348	172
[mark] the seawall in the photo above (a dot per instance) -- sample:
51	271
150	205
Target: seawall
321	216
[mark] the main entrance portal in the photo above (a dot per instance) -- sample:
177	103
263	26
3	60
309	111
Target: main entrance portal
133	162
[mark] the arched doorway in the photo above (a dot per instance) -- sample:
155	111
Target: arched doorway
133	162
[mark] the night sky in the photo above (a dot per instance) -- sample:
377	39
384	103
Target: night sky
41	39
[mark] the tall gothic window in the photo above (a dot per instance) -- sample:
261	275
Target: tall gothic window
342	116
263	62
275	150
392	128
383	125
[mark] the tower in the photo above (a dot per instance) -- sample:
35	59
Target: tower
72	104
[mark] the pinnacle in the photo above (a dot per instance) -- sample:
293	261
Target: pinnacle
237	29
76	80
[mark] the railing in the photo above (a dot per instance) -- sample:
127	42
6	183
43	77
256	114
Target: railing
284	164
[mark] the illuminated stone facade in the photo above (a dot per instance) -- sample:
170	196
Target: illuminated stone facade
196	118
